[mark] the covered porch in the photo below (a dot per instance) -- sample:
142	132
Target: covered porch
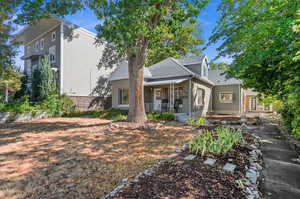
167	96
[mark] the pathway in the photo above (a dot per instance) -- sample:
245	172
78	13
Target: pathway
282	176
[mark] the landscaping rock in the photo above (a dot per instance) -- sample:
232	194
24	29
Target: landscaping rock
190	157
23	117
4	116
173	155
210	161
229	167
252	175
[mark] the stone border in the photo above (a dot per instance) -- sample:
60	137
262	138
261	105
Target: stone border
250	184
254	172
6	117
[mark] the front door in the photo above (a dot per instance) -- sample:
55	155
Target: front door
157	100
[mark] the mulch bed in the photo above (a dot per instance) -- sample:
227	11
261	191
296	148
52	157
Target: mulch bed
181	178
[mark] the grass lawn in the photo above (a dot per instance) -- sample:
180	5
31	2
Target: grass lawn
78	157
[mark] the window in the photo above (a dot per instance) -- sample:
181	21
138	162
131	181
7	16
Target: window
123	96
52	54
225	97
200	94
36	46
53	36
42	42
28	49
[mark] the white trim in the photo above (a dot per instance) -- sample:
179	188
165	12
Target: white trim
61	58
87	32
224	101
41	35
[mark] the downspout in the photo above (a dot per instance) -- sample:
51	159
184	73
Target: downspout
61	58
190	97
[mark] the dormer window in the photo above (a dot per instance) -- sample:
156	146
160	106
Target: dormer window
42	43
53	36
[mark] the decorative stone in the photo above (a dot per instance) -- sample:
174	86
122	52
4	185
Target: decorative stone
229	167
173	155
4	116
210	161
190	157
148	172
251	175
178	150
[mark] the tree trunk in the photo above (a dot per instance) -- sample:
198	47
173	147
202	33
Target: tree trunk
136	63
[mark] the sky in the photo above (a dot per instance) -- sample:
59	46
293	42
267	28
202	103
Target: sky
208	18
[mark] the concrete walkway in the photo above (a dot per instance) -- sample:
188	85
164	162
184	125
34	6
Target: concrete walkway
282	176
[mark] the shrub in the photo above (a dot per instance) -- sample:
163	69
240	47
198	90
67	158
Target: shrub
167	116
20	105
220	141
57	105
196	121
43	81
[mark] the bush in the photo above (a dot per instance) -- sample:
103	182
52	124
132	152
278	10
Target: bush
161	116
20	105
220	141
57	105
196	121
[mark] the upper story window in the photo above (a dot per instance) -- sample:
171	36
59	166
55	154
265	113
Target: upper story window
52	54
42	43
53	36
28	49
36	46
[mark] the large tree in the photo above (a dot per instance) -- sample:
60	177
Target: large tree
260	37
133	27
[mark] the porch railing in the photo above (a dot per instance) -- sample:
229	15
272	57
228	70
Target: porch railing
162	107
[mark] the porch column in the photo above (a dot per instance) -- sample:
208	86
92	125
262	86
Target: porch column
190	97
171	94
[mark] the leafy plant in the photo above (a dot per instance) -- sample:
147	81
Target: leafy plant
21	105
196	121
266	52
221	141
57	105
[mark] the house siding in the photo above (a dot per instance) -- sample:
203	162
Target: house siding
226	108
198	109
81	57
47	44
116	85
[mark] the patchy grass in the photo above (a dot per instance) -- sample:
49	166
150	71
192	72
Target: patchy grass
78	157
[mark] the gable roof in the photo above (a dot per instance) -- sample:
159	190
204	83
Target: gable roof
219	77
121	72
192	60
168	68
